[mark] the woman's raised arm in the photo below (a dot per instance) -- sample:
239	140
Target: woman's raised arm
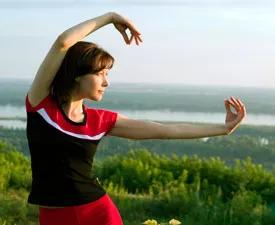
41	84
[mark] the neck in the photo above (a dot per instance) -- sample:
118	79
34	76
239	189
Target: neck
74	107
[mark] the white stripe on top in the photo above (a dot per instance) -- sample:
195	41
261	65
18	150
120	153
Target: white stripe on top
46	117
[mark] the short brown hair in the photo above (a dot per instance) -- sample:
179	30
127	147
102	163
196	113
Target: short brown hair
80	59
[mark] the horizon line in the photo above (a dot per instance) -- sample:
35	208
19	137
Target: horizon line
158	83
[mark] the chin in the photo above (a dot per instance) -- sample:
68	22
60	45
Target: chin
97	99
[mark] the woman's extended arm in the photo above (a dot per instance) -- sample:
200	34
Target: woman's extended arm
40	87
137	129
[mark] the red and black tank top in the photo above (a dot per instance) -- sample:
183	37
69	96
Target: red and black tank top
62	153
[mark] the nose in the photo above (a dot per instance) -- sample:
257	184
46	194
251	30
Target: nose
106	82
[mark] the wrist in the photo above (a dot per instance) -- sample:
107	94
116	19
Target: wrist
109	16
228	129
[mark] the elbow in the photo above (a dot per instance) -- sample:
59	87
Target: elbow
62	43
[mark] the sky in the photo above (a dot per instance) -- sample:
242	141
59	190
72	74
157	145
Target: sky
198	42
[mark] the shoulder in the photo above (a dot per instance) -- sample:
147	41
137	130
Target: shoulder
102	119
102	112
46	102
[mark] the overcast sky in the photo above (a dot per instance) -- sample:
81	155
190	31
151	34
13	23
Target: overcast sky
207	42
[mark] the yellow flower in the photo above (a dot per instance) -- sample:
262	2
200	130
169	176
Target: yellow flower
174	222
151	222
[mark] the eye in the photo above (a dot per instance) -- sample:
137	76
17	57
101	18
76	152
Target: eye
98	74
102	74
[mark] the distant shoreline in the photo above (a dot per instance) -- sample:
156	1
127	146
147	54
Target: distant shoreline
29	80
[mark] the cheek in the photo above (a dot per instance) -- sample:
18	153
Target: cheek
88	85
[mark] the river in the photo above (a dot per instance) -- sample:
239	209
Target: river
9	111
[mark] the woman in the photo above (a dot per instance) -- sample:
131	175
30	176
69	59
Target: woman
63	133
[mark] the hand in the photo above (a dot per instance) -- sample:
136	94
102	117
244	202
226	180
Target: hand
122	24
233	120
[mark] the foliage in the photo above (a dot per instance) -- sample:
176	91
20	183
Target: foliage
257	142
15	169
202	191
145	185
143	171
16	137
15	180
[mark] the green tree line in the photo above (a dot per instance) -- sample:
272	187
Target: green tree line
145	185
257	142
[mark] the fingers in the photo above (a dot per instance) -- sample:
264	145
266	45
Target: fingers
136	38
131	39
132	27
233	120
119	19
135	33
122	24
136	41
243	109
125	36
227	106
233	102
237	105
133	30
122	30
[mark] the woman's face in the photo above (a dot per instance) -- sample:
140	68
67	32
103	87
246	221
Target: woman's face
92	86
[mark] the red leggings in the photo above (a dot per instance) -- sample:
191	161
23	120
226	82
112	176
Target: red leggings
100	212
